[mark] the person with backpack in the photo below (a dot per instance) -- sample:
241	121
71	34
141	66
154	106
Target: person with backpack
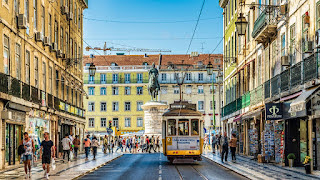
87	145
225	147
233	146
151	144
157	145
29	150
46	152
95	144
76	144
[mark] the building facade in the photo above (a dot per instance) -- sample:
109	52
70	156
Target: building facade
119	88
274	109
41	80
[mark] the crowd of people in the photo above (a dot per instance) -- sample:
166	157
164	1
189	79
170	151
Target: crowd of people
131	144
69	147
220	145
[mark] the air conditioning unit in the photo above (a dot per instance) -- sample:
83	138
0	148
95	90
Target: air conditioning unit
46	41
285	61
22	21
308	47
317	38
59	53
39	36
70	16
54	47
64	10
283	9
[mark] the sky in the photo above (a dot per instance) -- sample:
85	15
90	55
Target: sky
153	24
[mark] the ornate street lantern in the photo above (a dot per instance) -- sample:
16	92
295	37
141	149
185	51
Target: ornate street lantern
241	25
209	68
92	69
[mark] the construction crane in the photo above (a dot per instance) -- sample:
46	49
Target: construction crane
105	49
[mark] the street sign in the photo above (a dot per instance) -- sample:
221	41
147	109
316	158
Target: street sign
109	131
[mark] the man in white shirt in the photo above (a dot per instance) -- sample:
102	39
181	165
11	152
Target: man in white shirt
66	144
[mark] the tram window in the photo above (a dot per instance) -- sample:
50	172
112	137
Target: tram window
195	127
183	127
171	127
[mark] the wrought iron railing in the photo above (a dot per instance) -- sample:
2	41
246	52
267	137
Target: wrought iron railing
267	89
265	18
50	100
310	69
295	75
35	95
15	87
119	81
4	83
275	84
26	91
285	80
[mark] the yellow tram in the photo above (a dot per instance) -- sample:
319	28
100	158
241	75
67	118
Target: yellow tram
182	132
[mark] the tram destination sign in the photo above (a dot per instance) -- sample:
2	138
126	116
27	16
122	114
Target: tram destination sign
183	106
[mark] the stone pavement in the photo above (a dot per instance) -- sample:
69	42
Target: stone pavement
254	170
64	171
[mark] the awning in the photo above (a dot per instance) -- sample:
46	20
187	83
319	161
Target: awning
237	118
230	120
299	103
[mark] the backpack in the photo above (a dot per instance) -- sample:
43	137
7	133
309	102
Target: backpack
21	150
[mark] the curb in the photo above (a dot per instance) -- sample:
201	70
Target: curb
228	168
94	169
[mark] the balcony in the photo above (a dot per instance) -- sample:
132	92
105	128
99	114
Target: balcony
275	84
120	68
50	101
35	95
245	99
265	26
267	89
285	80
295	75
26	91
119	81
310	69
257	95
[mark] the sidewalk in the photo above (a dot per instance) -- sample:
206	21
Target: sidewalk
64	171
254	170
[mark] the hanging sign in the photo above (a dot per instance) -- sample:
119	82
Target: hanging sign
274	111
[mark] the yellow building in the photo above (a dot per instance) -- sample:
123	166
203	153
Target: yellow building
115	94
40	72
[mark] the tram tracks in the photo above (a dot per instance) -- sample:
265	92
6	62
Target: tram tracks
196	170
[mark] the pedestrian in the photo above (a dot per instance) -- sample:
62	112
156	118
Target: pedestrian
124	144
147	144
151	144
76	143
213	143
128	144
95	144
66	144
111	145
157	144
46	152
28	154
87	144
233	146
219	143
134	143
105	144
225	147
119	144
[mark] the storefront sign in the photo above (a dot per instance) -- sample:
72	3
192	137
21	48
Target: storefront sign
274	111
62	106
43	98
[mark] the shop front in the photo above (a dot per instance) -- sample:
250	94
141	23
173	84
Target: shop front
14	129
39	123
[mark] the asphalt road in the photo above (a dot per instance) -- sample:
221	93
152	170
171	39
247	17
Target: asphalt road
155	166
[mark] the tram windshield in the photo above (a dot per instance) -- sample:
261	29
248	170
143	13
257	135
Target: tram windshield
183	127
195	127
171	127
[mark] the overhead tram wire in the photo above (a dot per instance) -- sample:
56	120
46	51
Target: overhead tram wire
149	22
195	28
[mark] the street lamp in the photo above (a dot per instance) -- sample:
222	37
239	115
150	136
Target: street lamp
209	68
241	25
92	67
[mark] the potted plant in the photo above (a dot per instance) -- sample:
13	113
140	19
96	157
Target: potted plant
291	157
307	165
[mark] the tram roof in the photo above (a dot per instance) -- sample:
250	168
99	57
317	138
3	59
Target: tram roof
182	112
